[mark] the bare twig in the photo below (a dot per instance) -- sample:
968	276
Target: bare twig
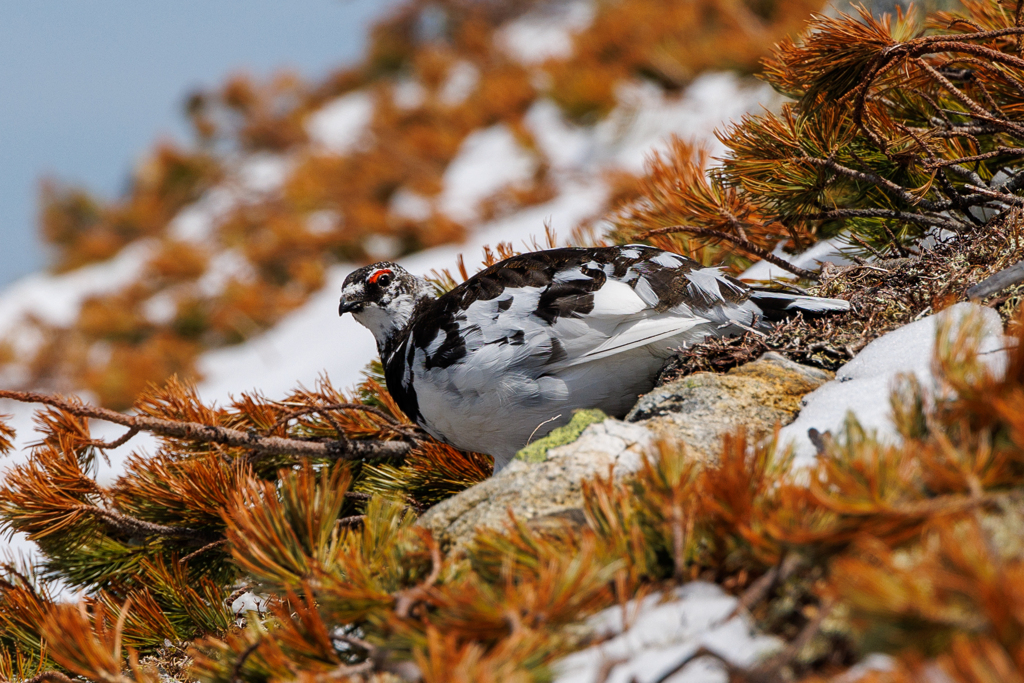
352	670
879	181
351	520
202	550
195	431
764	585
605	670
236	668
742	244
132	526
920	219
116	443
49	677
998	282
405	600
369	648
305	410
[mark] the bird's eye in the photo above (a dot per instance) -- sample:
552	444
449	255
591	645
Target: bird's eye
381	278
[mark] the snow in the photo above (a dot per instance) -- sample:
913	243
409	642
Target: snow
57	299
667	629
339	125
644	120
864	385
488	161
322	222
263	173
159	309
382	247
408	94
545	34
566	146
410	205
195	223
463	77
228	265
646	115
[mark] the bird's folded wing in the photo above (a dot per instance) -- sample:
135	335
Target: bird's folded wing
631	335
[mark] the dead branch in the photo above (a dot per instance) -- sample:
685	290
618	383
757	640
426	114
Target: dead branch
351	520
202	550
920	219
203	433
998	282
407	599
745	245
132	526
236	668
50	677
878	181
768	581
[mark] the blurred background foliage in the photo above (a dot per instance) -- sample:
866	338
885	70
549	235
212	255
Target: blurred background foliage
334	206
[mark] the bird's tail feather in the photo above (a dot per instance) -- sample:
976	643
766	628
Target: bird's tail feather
779	305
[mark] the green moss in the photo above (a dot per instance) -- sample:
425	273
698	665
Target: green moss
538	450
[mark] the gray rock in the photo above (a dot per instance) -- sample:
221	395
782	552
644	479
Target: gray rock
696	411
700	408
542	489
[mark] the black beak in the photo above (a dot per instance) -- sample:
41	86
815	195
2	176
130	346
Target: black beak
352	306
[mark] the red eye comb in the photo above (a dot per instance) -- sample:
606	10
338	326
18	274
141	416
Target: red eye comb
376	276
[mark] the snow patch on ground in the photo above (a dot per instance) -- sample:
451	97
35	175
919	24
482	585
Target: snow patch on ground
864	385
566	146
646	116
545	34
263	173
408	94
228	265
340	124
488	160
56	299
667	629
196	222
463	77
411	205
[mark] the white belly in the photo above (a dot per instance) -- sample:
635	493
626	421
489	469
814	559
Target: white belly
506	410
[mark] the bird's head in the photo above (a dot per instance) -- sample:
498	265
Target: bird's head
382	297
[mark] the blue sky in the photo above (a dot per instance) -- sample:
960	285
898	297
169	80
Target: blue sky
86	86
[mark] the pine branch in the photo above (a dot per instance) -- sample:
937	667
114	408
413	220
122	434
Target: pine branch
921	219
203	433
741	243
133	526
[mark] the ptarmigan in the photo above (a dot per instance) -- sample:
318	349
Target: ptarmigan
507	356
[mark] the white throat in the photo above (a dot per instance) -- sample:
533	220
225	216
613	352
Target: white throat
385	323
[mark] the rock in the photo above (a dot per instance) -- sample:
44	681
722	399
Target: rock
700	408
696	410
542	489
581	419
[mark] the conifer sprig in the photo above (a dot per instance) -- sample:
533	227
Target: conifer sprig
894	131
